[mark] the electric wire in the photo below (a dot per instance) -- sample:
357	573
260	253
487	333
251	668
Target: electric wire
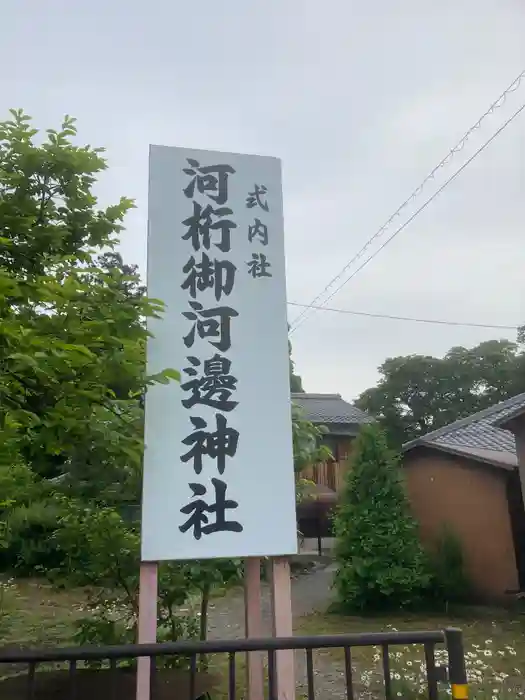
413	319
301	318
498	103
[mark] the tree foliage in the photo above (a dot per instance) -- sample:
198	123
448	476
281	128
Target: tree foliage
101	552
72	330
28	517
72	384
450	583
380	561
417	393
308	447
296	383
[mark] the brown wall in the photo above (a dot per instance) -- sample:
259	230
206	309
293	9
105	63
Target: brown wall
471	498
331	474
518	428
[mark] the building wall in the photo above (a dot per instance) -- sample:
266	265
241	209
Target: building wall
332	473
517	427
471	499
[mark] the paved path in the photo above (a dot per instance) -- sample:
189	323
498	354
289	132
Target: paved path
311	592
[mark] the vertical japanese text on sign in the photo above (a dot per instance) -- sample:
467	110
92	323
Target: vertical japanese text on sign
215	442
219	275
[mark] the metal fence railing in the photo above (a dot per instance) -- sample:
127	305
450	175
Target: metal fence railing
82	682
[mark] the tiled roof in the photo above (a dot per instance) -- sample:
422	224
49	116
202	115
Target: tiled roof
478	435
330	408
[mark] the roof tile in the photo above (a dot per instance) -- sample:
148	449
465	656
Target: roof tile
330	408
477	432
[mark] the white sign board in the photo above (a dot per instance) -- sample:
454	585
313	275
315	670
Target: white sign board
218	466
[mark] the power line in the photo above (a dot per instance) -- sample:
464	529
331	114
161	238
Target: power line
300	320
413	319
458	147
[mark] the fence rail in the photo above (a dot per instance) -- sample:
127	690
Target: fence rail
192	651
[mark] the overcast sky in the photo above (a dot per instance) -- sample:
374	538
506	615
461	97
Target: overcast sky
359	99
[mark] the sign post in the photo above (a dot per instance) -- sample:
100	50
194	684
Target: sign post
281	595
147	624
218	458
253	626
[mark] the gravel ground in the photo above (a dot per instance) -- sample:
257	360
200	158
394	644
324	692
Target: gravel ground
311	592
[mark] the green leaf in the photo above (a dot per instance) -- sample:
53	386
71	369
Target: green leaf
172	374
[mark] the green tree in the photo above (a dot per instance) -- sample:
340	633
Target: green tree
72	331
101	552
72	367
450	582
381	564
417	393
203	577
308	447
296	383
28	516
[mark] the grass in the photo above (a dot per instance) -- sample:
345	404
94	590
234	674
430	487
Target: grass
35	614
38	615
494	647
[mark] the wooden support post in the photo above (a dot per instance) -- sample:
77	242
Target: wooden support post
147	624
253	627
281	589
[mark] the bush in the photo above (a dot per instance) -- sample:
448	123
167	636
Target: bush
29	517
381	564
450	583
101	552
30	548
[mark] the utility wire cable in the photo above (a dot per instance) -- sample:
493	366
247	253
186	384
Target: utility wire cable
492	326
447	182
499	102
